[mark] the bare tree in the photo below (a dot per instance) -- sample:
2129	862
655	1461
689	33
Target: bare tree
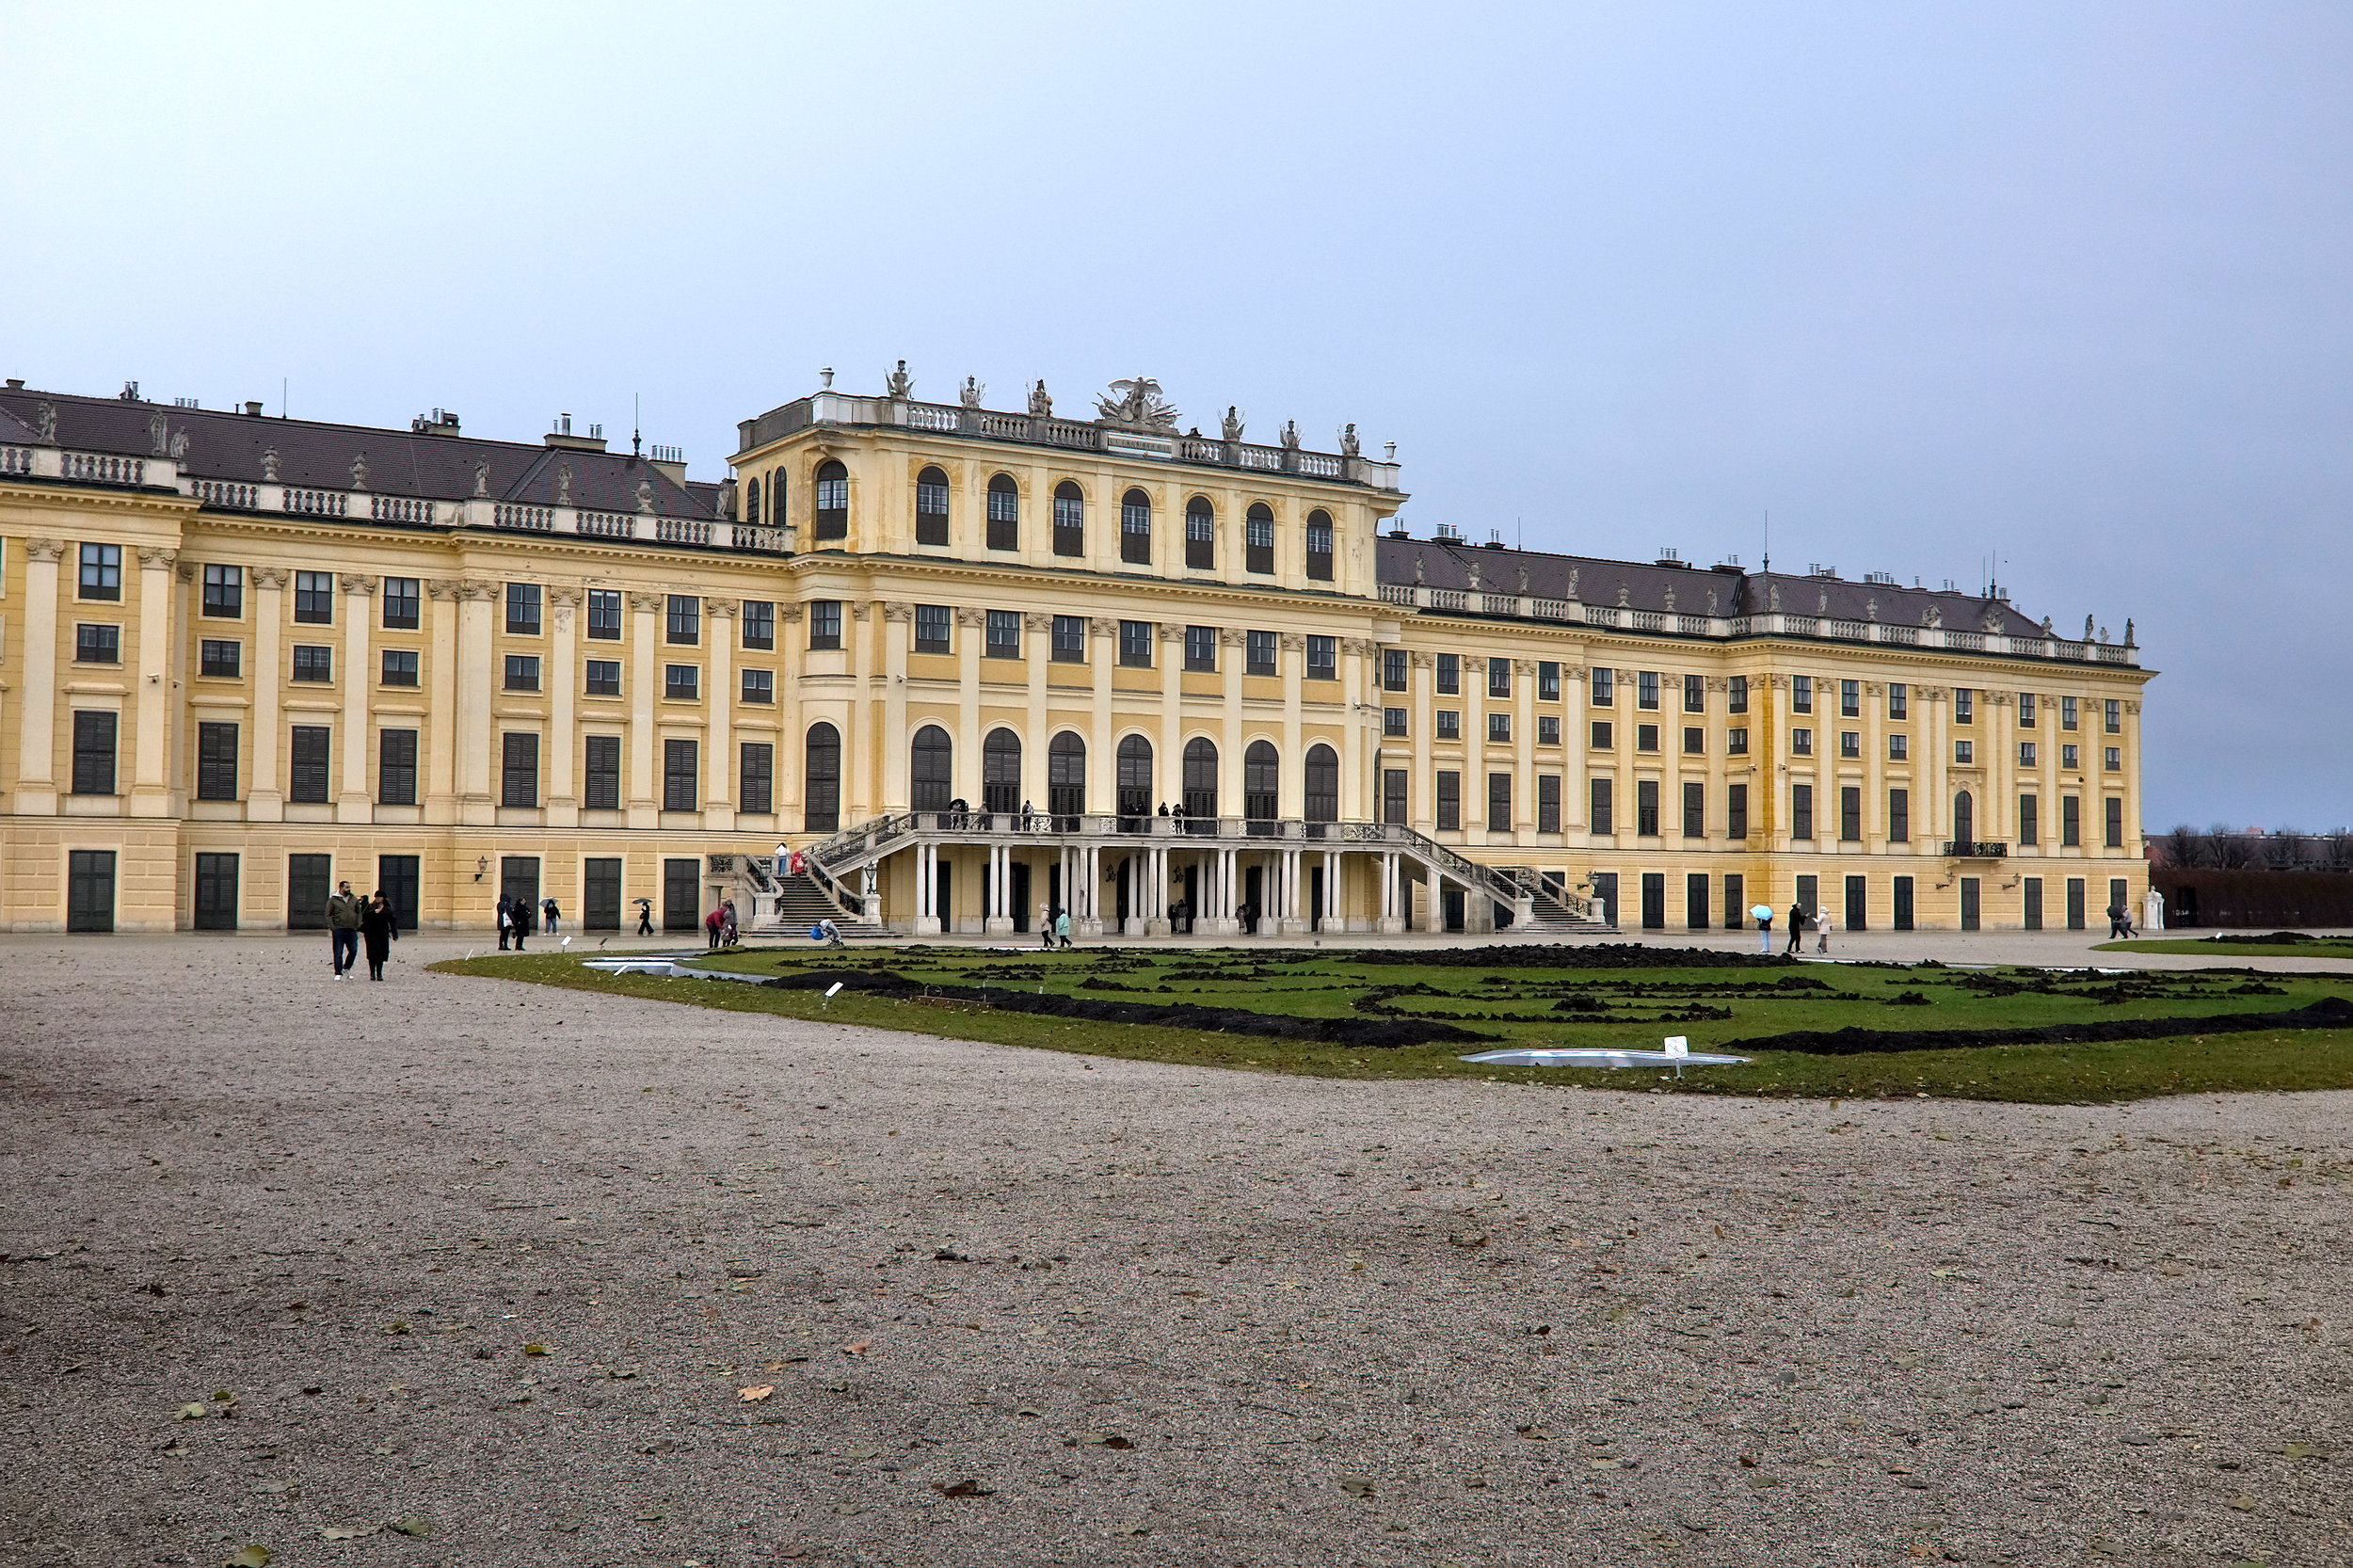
2182	847
2227	849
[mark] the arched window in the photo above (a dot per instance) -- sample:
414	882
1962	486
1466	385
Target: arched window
1965	818
778	516
1323	784
1070	519
1135	777
833	501
1135	528
1258	538
1067	776
1004	513
1261	786
1320	545
931	767
1000	772
1201	780
821	781
1200	534
751	501
931	508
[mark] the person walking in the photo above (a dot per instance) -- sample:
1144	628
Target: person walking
1046	925
1062	926
506	920
1763	914
1796	928
343	928
2119	921
644	917
379	928
1823	926
518	916
547	908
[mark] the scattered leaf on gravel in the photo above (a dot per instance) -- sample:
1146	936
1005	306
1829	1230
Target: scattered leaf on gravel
535	1348
1355	1486
189	1412
857	1347
415	1524
966	1488
1467	1237
329	1532
253	1555
758	1392
2242	1502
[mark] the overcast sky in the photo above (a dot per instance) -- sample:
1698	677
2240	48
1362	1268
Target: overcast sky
2060	286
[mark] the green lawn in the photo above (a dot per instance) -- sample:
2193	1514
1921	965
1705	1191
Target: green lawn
1712	1006
2235	945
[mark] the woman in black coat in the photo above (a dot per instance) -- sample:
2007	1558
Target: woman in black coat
379	928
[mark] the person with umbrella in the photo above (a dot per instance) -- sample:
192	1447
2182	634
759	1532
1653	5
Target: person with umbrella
1763	914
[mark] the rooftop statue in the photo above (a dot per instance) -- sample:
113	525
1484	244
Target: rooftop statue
270	465
971	391
481	472
563	485
359	472
47	428
1291	433
1138	405
1347	440
1041	402
1232	425
899	383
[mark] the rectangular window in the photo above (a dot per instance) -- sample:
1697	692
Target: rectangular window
313	662
2070	822
224	591
1964	705
1604	687
1646	737
523	672
1547	730
2112	812
825	623
1695	810
1319	550
2071	756
1801	743
1005	635
1802	810
1450	724
1849	699
1850	814
1694	740
604	615
396	767
1071	639
1201	647
402	606
757	776
759	686
1324	658
1695	693
1604	735
102	575
2112	716
601	776
1499	803
679	776
1499	678
1393	721
1393	787
1449	801
1851	742
400	666
2030	821
1598	812
1899	748
222	659
522	609
1647	689
1547	679
2112	758
1965	752
307	771
1899	816
681	682
2066	713
1899	700
1646	809
1736	742
1547	803
1736	695
1449	674
216	761
97	644
934	629
314	598
1737	811
2025	709
760	623
2025	754
1260	654
94	752
1695	900
1135	643
1802	694
604	677
1499	727
1397	666
518	770
683	620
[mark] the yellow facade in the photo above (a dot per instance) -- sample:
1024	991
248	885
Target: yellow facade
877	607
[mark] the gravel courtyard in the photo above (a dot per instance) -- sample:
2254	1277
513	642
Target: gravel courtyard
457	1272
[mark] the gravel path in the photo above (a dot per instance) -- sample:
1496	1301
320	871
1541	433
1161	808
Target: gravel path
1018	1307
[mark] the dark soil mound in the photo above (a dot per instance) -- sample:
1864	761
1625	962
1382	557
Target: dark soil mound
2327	1013
851	979
2269	939
1598	955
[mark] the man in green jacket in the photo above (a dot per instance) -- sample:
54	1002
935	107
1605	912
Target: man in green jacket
343	913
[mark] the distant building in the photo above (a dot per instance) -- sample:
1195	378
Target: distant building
962	658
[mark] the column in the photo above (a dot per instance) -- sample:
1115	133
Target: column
1421	811
476	602
897	629
998	919
1102	775
1037	633
1294	892
440	728
1172	672
1156	922
719	773
869	633
265	796
1475	752
645	690
791	649
36	734
1292	785
1333	918
151	767
972	630
1231	651
353	803
1524	751
564	679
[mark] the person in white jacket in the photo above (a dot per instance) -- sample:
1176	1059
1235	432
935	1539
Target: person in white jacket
1825	925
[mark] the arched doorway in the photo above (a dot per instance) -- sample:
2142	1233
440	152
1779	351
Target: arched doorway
1067	779
1261	786
1000	772
1964	819
1322	793
1201	783
1135	780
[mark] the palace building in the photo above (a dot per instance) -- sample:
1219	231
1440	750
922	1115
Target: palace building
963	664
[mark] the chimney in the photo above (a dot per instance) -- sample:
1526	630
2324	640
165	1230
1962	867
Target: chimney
252	409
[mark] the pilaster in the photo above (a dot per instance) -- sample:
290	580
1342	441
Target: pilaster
265	796
36	734
352	800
